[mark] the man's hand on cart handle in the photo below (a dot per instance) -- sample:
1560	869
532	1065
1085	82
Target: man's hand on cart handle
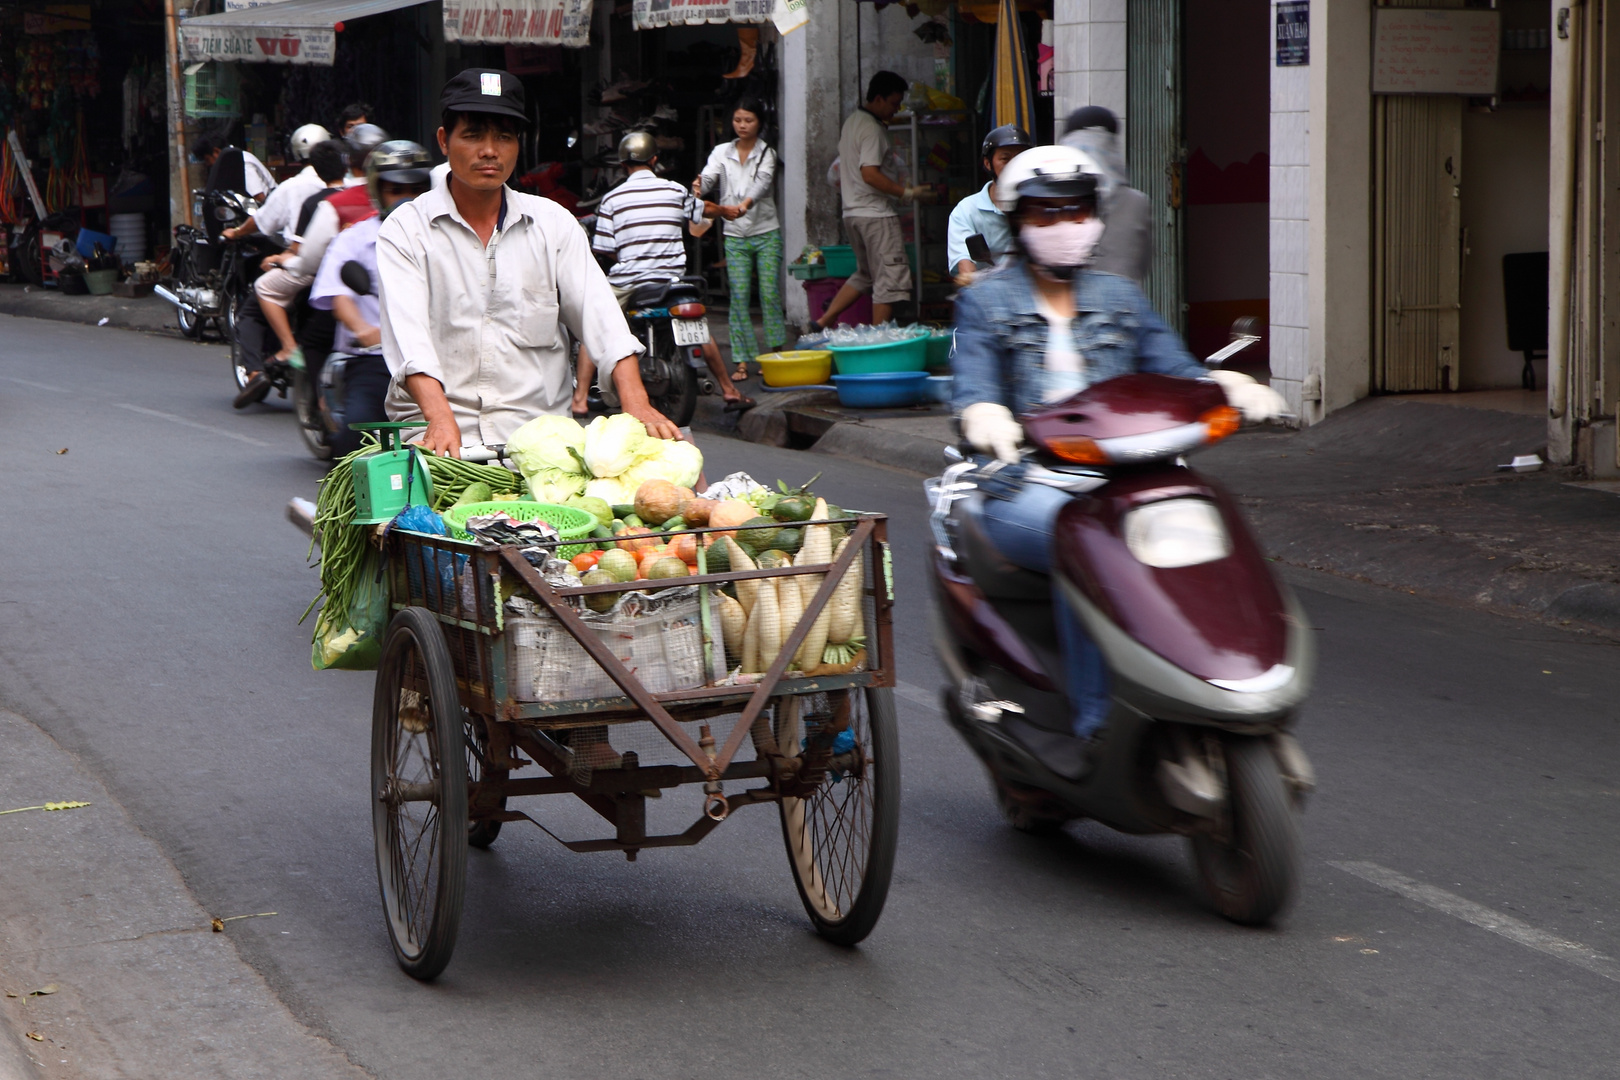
443	436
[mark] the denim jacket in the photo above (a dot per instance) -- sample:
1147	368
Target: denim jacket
999	350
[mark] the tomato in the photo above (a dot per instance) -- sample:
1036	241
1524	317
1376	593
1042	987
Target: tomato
586	560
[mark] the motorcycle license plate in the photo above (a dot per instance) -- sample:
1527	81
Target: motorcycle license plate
691	331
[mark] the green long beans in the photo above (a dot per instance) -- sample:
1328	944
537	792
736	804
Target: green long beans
452	475
343	543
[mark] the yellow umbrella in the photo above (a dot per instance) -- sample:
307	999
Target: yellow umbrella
1014	97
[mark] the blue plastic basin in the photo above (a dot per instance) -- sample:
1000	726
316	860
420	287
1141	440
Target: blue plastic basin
885	390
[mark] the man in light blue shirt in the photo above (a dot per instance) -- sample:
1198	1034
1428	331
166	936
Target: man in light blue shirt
977	214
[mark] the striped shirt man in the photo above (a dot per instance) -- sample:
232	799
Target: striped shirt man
641	225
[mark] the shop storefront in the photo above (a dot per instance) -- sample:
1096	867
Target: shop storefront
81	113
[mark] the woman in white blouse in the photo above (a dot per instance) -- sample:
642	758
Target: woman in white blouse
740	177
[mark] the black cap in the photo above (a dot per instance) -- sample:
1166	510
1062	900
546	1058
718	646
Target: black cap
1091	116
484	90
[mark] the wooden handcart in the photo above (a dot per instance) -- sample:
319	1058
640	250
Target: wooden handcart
467	718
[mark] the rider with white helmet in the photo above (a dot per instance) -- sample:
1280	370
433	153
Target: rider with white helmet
303	140
1041	327
277	216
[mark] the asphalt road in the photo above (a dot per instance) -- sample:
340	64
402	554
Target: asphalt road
150	594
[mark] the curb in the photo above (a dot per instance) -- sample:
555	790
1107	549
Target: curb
120	313
875	446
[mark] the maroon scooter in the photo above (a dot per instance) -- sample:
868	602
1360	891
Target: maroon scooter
1208	655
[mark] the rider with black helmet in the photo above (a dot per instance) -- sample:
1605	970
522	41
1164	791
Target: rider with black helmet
977	214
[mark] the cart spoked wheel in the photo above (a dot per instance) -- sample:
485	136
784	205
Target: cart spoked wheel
481	834
419	784
841	839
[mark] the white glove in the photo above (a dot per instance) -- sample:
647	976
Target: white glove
1257	402
992	429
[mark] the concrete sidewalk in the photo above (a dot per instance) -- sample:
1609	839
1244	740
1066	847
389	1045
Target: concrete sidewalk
142	985
147	313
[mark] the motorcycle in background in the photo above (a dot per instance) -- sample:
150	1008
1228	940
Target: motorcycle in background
668	317
213	277
1207	654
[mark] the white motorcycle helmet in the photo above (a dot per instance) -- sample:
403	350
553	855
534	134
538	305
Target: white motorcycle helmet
304	139
1047	172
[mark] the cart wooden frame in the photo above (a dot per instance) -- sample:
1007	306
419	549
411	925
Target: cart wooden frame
443	684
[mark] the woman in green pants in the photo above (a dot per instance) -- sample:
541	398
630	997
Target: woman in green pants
740	177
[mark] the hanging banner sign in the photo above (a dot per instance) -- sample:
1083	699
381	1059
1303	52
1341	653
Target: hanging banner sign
257	44
648	14
518	22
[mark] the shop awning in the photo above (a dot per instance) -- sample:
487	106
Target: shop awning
289	32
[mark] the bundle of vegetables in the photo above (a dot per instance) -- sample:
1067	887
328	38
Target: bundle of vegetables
343	543
764	612
608	460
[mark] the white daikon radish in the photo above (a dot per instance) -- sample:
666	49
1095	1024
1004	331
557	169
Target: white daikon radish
768	611
845	605
789	606
747	590
750	645
816	549
733	624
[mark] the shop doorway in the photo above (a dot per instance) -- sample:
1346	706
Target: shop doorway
1224	177
1460	229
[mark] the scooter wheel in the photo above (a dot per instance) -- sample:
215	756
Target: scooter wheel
1253	873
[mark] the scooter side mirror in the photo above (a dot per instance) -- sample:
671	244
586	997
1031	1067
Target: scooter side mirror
356	277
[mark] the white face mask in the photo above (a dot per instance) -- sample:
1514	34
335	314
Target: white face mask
1064	245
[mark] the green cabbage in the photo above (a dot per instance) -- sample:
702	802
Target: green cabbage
600	509
678	462
610	490
612	444
544	442
554	485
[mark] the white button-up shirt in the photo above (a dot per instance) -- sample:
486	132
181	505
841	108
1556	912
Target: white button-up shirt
482	320
279	213
738	180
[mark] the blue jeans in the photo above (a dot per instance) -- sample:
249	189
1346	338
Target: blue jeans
1020	525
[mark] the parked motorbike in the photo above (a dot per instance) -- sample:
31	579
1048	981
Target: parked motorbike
668	318
1208	654
214	276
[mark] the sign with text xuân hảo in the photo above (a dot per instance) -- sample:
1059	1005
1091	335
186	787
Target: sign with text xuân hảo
1436	51
1293	33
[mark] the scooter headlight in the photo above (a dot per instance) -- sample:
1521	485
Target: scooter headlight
1177	532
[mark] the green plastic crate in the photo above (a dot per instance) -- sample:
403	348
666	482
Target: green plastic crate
570	522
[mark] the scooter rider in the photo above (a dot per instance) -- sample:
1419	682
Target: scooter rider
1039	328
396	172
474	278
978	215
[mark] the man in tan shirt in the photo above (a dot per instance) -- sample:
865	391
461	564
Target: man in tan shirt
870	219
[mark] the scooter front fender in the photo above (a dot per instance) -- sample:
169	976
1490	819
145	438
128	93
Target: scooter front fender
1217	642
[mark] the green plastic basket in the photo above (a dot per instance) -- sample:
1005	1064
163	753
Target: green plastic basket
570	522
